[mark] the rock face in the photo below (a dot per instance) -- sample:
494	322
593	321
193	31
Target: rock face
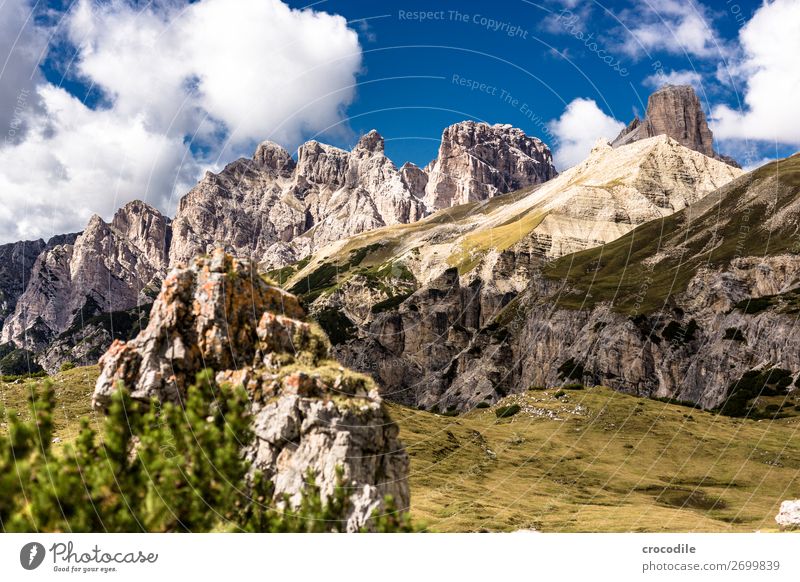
16	262
309	412
477	161
457	342
614	190
84	342
108	268
651	315
788	517
258	208
674	110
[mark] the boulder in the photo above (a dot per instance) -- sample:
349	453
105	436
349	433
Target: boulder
789	515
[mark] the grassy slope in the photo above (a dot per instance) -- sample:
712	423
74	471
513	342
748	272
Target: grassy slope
619	464
382	246
726	224
73	397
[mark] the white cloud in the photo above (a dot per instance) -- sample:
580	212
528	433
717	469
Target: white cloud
577	130
21	45
75	162
692	78
673	26
771	44
223	73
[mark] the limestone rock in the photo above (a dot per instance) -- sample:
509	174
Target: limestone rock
674	110
271	156
16	262
309	412
480	334
478	161
108	267
614	190
788	517
414	178
258	208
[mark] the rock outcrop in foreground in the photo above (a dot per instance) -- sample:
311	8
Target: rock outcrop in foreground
309	412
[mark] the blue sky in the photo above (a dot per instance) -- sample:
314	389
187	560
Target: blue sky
104	101
410	86
531	66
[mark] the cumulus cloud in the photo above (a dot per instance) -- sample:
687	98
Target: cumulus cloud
770	43
21	46
673	26
692	78
577	130
185	85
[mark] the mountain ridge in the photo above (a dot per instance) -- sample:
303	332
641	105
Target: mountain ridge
638	314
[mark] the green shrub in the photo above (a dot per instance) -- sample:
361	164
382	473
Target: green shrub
390	303
186	472
536	388
573	386
483	404
15	377
560	394
677	402
507	411
337	325
66	366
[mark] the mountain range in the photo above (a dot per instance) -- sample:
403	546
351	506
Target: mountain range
656	266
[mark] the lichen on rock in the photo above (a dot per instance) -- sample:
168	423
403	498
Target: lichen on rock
309	412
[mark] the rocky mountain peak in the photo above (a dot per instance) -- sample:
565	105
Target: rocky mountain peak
309	412
322	164
371	142
414	178
147	229
108	267
272	156
477	161
674	110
